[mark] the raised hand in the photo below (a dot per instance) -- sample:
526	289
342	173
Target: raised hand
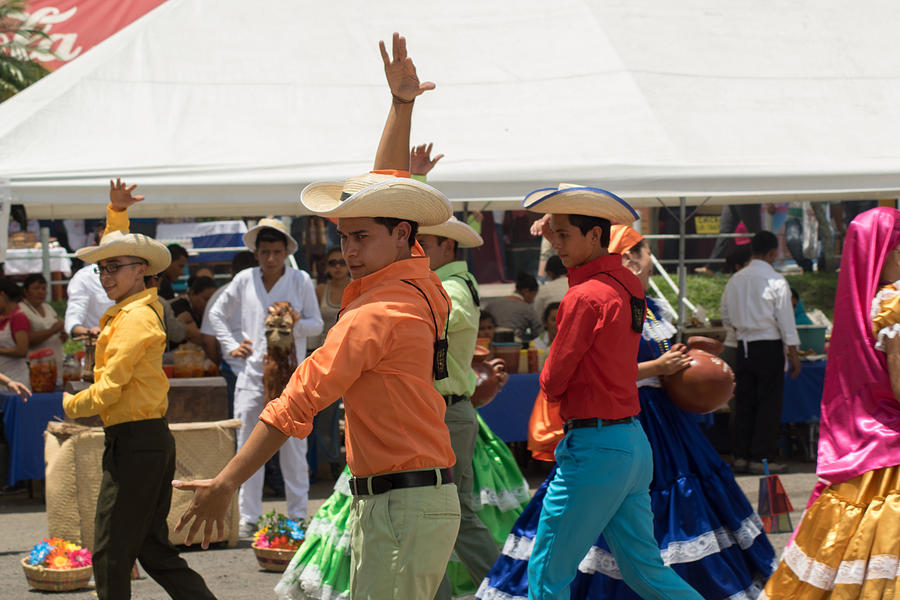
542	227
120	195
420	161
401	72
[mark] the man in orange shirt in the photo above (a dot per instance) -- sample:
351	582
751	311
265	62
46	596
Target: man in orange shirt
381	356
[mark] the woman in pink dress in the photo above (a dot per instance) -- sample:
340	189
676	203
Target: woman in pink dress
848	543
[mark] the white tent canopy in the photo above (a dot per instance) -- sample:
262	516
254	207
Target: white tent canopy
218	108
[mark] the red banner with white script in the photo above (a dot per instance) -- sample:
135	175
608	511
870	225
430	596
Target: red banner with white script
75	26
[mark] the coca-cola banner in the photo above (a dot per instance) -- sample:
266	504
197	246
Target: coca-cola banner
74	26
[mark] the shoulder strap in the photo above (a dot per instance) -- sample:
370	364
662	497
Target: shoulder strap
638	306
471	287
433	318
162	324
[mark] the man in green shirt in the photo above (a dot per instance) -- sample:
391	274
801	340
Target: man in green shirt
475	546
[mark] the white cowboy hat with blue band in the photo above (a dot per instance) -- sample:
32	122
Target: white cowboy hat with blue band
572	199
121	243
453	228
377	195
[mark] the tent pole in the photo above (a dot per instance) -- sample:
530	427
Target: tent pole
45	260
682	275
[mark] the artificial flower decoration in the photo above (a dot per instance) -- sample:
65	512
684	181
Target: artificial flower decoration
277	532
57	553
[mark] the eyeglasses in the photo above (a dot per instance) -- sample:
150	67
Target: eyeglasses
111	269
337	262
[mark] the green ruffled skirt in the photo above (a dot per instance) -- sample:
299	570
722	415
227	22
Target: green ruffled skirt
321	567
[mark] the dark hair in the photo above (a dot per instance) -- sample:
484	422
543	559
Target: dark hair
243	260
332	250
763	243
550	307
441	239
201	284
11	289
739	256
32	279
177	251
391	222
585	223
485	316
639	246
524	281
794	294
555	266
267	234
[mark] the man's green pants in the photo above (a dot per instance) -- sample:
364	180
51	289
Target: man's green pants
400	542
475	546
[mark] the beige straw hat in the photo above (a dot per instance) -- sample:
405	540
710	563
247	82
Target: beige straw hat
120	243
455	229
251	235
377	195
572	199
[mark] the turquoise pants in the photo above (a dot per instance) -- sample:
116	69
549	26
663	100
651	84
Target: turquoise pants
602	485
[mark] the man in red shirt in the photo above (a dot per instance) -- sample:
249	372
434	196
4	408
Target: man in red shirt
604	462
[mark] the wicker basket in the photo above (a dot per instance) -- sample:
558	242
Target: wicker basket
273	559
56	580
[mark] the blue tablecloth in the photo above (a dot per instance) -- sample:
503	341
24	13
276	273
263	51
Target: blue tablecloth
803	396
508	414
25	423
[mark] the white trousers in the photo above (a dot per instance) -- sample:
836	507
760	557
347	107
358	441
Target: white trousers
248	404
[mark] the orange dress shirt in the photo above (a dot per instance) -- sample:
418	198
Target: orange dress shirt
378	357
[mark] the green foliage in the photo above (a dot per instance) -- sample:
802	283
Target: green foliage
17	69
70	346
817	290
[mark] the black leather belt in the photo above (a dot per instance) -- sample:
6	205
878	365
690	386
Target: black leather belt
593	422
454	398
379	484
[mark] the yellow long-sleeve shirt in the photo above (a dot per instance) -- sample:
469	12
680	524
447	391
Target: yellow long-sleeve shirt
129	382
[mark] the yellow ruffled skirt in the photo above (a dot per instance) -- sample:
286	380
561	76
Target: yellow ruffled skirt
847	545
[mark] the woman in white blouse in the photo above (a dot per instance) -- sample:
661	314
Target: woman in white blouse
47	329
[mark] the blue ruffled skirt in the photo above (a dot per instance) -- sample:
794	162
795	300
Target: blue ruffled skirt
706	529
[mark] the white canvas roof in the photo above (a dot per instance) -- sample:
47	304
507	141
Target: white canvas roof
220	108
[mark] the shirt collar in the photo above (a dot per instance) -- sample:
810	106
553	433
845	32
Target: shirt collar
143	298
601	264
417	267
759	263
452	268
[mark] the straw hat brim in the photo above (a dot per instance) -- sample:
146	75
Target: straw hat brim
398	198
118	243
453	228
590	201
251	235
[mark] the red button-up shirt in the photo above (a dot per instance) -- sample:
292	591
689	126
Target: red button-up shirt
592	366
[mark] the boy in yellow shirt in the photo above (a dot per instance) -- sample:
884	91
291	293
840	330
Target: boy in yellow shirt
130	393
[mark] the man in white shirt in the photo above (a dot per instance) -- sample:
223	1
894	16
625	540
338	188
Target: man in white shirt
247	300
87	302
756	305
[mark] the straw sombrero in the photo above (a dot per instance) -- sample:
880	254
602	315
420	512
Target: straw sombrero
571	199
377	195
455	229
251	235
120	243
